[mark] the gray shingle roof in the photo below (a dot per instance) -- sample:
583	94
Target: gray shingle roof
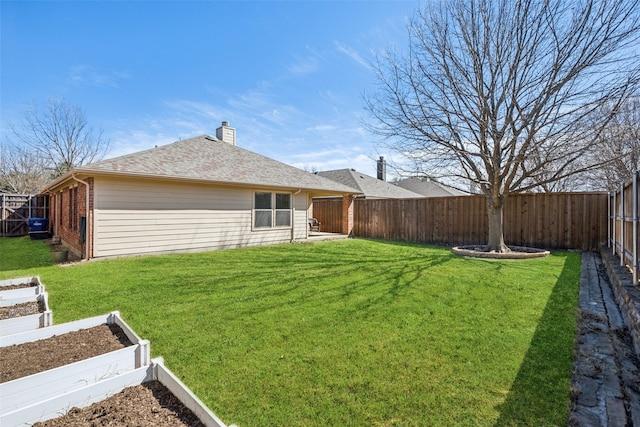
368	185
429	188
205	158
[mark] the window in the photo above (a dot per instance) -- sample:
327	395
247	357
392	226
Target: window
283	210
263	214
271	210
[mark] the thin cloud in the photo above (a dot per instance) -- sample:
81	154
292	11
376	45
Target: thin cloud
352	54
358	161
88	76
304	66
337	154
321	128
127	141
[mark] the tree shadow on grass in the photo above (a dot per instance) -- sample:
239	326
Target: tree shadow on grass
358	273
539	396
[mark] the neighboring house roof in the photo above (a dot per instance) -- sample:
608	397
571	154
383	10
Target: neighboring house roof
429	188
369	186
205	158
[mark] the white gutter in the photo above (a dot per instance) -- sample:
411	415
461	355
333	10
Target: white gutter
86	222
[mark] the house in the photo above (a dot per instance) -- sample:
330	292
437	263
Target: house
202	193
368	186
379	188
426	187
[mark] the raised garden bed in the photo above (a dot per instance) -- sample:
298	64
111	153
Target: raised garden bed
117	388
21	360
30	390
24	313
20	287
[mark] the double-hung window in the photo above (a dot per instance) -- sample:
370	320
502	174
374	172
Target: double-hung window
271	210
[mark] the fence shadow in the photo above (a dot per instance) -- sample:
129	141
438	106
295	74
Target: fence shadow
544	379
22	253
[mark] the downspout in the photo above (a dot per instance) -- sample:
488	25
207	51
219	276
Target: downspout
293	215
86	222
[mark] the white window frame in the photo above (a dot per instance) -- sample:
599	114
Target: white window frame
273	209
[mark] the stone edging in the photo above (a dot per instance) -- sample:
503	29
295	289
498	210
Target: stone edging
518	252
627	294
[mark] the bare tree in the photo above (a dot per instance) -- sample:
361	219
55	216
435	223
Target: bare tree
491	91
61	135
616	148
21	171
620	141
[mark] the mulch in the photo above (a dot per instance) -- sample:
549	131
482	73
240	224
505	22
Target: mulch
20	360
146	405
19	310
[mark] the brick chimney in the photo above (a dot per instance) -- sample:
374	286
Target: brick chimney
226	133
382	169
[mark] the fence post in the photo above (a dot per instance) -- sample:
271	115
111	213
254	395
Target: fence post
613	225
609	219
623	218
636	219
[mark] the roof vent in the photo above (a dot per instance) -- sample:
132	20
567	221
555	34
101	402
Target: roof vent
226	133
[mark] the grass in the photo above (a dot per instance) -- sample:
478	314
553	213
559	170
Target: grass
354	332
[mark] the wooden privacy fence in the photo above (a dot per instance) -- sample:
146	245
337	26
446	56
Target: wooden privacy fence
623	224
15	211
542	220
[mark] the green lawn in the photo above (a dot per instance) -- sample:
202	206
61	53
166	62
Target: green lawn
350	333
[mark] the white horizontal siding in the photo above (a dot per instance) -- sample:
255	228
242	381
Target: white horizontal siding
301	226
149	195
136	217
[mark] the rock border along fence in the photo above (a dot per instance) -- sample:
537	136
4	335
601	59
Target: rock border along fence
621	254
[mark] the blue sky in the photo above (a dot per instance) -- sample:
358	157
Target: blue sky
288	75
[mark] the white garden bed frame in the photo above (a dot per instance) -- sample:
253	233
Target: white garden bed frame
35	287
31	322
31	390
57	406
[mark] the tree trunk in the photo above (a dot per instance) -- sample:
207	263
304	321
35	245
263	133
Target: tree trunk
496	235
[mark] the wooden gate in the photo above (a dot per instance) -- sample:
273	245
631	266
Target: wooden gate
15	211
329	213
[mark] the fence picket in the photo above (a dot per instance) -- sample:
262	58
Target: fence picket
544	220
623	224
15	211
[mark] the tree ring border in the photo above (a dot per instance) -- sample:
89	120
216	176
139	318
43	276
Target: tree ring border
517	252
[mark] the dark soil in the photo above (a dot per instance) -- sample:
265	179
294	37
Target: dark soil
146	405
20	360
19	310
